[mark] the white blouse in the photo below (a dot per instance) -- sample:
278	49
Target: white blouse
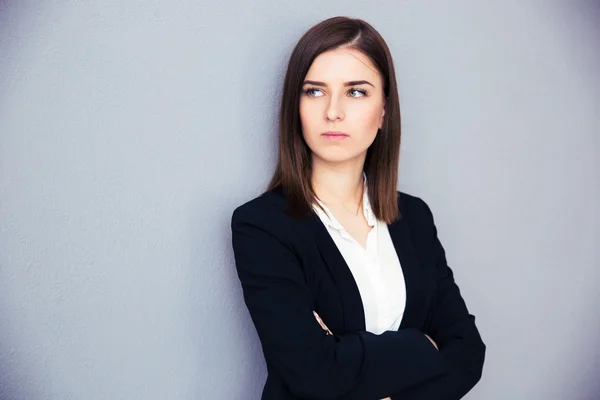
376	268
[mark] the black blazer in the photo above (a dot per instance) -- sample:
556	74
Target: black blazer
289	267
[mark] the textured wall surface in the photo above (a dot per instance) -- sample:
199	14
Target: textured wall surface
129	131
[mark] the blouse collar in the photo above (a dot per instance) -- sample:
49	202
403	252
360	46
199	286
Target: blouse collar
329	219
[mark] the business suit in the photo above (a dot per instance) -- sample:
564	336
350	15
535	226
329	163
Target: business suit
289	267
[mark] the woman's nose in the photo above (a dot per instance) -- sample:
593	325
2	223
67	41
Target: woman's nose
334	110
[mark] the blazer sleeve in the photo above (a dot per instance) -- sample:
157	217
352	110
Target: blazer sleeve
314	365
453	329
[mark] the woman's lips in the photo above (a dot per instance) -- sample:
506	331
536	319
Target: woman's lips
335	135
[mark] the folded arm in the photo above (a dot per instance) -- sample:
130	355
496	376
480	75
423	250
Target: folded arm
453	329
357	365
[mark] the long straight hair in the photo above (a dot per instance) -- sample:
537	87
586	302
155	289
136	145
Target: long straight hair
294	167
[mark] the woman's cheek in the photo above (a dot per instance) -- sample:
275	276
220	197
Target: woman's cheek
367	120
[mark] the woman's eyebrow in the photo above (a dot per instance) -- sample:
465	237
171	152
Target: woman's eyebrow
350	83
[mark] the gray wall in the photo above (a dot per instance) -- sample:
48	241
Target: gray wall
129	131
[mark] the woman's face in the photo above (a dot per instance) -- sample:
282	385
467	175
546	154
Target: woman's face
342	92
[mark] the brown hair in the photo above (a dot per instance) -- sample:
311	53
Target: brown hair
294	167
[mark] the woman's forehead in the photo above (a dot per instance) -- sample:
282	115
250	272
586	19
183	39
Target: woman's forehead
342	65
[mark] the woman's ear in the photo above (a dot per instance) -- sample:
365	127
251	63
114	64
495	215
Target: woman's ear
382	116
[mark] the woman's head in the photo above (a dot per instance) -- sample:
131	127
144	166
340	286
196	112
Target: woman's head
340	78
342	92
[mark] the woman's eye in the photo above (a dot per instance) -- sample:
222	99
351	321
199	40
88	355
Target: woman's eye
357	93
314	92
311	91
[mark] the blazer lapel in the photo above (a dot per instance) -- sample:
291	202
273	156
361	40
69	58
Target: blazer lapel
413	276
353	312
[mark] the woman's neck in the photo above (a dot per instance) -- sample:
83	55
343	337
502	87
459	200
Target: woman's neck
336	186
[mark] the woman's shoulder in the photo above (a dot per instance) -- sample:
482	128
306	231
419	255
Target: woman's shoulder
271	200
409	201
268	207
265	217
413	208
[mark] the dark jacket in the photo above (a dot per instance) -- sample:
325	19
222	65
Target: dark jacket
289	267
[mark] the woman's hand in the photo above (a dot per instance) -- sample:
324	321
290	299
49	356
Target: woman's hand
320	321
432	341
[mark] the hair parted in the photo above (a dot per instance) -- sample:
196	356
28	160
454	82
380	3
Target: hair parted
294	166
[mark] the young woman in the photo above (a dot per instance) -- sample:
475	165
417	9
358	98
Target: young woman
344	276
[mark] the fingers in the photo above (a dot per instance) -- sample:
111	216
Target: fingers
432	341
320	321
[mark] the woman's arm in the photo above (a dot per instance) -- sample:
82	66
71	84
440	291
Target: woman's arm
453	329
325	328
357	365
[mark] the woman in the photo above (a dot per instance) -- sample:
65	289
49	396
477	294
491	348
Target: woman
344	276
